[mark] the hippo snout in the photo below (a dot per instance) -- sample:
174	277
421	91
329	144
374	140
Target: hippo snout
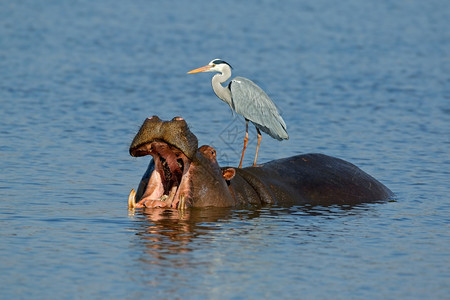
175	133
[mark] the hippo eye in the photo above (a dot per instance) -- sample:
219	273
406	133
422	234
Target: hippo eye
213	152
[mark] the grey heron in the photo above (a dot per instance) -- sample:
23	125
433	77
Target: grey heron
247	99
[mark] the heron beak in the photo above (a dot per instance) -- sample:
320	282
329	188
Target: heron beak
202	69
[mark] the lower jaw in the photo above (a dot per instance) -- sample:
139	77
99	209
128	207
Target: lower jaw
175	199
172	200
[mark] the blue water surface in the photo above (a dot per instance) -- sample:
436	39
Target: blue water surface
366	81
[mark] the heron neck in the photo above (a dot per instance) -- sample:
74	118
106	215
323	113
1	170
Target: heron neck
222	92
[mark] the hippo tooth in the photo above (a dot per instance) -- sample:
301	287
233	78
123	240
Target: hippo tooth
172	193
181	204
132	199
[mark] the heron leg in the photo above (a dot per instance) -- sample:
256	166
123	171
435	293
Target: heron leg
245	143
257	146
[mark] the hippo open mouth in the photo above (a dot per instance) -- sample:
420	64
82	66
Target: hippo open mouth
172	146
171	164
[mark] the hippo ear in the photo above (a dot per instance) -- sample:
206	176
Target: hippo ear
228	173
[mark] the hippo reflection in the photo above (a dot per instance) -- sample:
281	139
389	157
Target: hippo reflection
182	175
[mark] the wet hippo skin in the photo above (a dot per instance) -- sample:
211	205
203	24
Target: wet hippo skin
181	175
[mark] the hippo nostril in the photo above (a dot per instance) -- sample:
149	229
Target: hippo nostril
177	119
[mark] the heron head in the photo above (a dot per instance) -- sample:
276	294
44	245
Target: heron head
216	65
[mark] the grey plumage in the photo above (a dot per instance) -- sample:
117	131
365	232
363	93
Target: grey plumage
248	100
251	102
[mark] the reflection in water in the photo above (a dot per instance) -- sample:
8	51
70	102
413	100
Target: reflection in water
167	233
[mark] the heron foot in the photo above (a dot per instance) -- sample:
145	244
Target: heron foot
257	166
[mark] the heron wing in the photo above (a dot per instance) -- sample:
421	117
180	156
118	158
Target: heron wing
250	101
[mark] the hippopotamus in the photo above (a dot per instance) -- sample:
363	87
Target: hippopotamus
183	175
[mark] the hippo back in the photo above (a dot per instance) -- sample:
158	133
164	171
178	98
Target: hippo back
315	179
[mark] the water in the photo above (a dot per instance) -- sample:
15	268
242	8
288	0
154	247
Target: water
366	82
